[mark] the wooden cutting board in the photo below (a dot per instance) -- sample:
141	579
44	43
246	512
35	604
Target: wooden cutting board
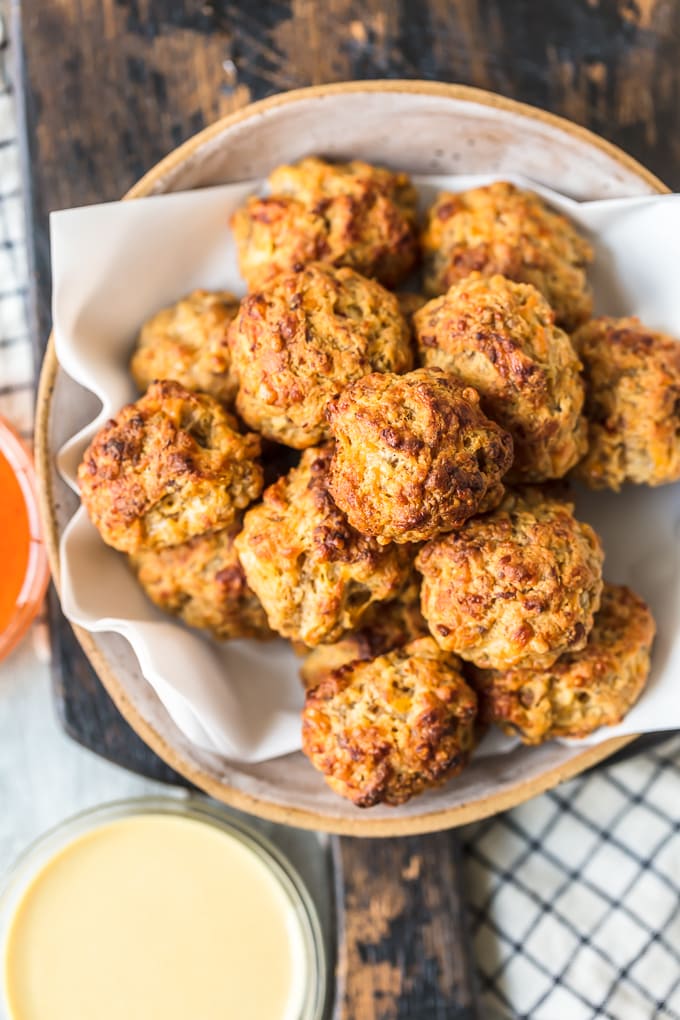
108	87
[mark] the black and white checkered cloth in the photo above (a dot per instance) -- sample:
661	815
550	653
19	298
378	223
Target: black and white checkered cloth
574	896
16	358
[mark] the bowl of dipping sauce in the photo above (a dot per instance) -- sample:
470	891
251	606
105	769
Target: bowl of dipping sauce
24	563
158	908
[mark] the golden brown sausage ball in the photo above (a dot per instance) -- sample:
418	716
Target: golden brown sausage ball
502	229
345	214
415	456
202	581
632	377
388	729
519	586
188	343
501	338
298	343
313	573
583	690
166	468
385	626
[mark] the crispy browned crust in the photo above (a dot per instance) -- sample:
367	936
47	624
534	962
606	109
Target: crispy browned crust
500	337
313	573
203	582
384	626
415	455
297	344
502	229
632	377
519	586
345	214
187	342
583	690
167	468
385	730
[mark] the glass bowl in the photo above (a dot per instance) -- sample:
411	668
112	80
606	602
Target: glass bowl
37	573
39	853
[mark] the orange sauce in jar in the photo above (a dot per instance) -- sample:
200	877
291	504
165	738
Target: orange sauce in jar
23	563
15	541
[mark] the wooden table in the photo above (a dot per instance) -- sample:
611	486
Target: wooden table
108	87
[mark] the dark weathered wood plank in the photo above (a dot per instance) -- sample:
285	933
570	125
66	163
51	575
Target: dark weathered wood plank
402	949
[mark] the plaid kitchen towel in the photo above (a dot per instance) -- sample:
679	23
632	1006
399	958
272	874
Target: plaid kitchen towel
16	357
574	896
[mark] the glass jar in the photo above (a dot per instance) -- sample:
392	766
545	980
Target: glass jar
31	591
40	853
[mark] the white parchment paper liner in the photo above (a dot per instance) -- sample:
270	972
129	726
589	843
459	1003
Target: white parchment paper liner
114	265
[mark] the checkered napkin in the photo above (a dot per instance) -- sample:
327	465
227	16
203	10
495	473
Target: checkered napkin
16	358
575	896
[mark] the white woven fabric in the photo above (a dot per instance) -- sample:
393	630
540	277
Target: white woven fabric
575	896
16	358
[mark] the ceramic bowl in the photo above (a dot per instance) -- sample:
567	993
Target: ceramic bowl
422	127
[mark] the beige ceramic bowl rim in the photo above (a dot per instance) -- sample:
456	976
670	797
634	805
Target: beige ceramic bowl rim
362	825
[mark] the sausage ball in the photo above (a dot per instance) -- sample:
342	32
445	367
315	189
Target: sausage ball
298	343
583	690
502	229
518	587
167	468
313	573
385	626
202	581
188	343
388	729
632	377
345	214
501	338
415	456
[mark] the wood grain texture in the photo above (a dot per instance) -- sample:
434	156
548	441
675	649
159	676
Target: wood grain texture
402	953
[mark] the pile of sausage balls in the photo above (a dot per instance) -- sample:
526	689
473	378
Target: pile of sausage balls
374	474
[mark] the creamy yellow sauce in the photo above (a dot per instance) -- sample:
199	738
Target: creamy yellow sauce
154	917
